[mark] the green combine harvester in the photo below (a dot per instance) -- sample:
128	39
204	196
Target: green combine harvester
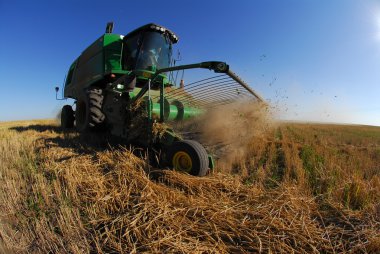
124	85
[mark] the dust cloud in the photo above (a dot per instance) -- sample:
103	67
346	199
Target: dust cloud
228	130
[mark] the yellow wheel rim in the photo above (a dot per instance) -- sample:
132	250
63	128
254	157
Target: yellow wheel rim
182	161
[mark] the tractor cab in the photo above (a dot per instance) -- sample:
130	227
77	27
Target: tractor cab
148	48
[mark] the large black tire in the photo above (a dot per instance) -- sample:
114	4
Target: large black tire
97	116
188	156
89	114
67	117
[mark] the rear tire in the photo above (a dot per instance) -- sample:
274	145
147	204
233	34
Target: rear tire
188	156
67	117
89	114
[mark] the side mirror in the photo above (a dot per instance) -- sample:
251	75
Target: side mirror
56	94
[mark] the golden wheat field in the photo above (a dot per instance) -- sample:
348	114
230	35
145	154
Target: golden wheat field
297	188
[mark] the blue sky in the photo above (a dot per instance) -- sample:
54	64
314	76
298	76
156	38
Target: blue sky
314	60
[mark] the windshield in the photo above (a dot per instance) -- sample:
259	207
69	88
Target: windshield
155	51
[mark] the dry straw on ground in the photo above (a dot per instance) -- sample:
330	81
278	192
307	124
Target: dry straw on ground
292	192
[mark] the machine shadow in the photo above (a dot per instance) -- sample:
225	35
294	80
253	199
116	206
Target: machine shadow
87	143
38	128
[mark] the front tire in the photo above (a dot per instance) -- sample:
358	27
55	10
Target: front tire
67	117
188	156
89	114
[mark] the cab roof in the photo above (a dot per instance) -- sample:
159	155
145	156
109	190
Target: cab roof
155	27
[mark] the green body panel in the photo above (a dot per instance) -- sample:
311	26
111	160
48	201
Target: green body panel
190	112
173	108
101	58
112	45
173	112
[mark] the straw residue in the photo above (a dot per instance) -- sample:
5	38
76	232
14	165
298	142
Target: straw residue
62	193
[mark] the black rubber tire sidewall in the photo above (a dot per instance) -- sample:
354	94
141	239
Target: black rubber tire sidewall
196	152
89	115
82	115
95	104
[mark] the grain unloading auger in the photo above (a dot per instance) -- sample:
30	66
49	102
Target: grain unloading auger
121	85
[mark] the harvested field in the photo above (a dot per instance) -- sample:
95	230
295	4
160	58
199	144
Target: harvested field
300	188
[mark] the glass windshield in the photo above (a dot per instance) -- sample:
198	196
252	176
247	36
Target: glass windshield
155	50
130	52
